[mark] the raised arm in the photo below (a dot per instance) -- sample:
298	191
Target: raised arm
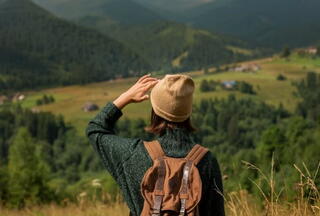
113	149
137	93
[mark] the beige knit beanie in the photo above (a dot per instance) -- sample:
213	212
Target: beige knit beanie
171	98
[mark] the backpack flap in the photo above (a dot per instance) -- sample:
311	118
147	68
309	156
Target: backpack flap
172	186
172	192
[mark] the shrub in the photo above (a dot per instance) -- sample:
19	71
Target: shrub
281	77
245	88
206	86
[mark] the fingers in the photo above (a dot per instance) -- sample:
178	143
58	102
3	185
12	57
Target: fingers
146	88
146	97
150	85
143	85
143	77
148	79
142	98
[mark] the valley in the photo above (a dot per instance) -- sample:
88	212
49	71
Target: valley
256	107
70	100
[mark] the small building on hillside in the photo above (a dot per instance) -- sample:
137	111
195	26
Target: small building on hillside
255	67
229	84
247	68
3	99
308	51
311	50
90	107
18	97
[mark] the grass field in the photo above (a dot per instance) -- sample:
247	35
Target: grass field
237	204
273	201
70	100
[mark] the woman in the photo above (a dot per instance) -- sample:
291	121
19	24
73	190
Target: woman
127	159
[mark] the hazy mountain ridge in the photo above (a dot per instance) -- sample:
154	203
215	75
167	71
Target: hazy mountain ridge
174	5
38	49
162	42
122	11
271	23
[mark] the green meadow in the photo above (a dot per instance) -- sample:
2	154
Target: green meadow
70	100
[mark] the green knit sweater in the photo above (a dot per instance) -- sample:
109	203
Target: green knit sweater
127	160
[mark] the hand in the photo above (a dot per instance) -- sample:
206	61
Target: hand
137	93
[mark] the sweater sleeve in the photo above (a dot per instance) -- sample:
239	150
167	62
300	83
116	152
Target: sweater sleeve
212	203
112	149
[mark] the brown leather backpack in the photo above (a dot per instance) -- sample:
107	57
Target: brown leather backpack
172	186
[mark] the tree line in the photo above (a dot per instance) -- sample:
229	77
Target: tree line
39	50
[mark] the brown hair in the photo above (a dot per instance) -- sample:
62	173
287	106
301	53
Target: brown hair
158	125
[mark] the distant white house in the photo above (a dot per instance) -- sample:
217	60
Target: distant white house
311	50
229	84
18	97
247	68
89	107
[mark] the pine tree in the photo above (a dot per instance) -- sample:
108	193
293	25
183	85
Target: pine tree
233	129
3	182
281	77
28	173
206	70
222	121
286	52
318	51
204	86
272	141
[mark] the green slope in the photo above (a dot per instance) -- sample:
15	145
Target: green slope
37	49
122	11
173	6
271	23
162	42
69	100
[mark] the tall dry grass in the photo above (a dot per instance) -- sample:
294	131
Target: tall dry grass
307	203
238	203
91	209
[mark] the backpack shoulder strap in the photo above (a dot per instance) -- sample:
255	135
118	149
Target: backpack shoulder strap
197	153
154	149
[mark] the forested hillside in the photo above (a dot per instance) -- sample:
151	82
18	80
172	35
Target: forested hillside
119	11
164	42
39	50
267	22
271	23
173	6
264	23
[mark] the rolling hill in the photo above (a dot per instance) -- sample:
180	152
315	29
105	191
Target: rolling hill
38	49
118	11
137	24
69	100
269	23
174	5
168	44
